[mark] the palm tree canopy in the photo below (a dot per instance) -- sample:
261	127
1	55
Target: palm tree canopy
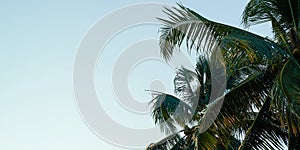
261	101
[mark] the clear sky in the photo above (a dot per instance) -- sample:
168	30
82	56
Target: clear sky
39	41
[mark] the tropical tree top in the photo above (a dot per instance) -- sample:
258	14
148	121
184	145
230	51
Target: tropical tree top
261	97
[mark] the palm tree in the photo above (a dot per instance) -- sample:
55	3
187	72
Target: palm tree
261	100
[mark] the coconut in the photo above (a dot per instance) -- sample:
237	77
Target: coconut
296	53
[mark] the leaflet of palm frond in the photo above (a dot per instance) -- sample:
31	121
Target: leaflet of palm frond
265	132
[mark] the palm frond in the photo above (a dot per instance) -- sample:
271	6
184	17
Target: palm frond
260	11
243	96
204	141
186	84
204	87
265	132
169	111
237	109
246	92
205	35
283	15
290	85
259	89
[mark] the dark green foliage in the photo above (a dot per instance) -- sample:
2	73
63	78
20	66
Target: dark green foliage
261	103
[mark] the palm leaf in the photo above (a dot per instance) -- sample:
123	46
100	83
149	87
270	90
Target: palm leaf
260	11
265	132
186	84
251	75
204	141
237	113
283	14
169	111
290	84
204	35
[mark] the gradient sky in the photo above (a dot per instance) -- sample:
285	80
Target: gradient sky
39	41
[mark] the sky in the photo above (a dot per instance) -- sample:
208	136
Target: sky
39	43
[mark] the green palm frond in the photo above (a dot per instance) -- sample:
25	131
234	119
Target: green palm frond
171	141
290	85
265	132
204	141
247	86
169	111
283	15
285	12
204	86
186	84
190	139
261	11
204	35
237	107
261	102
245	95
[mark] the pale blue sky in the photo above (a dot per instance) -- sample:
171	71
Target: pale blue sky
39	40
